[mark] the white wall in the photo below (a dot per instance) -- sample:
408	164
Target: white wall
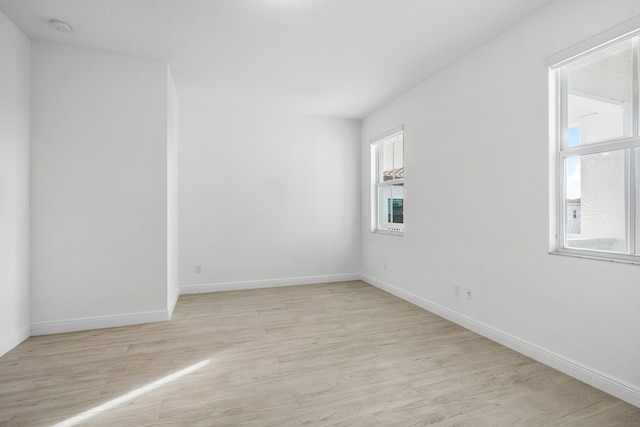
99	189
476	145
14	185
173	276
266	198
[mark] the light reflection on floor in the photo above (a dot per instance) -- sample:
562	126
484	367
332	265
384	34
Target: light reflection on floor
131	395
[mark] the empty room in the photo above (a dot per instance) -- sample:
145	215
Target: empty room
319	212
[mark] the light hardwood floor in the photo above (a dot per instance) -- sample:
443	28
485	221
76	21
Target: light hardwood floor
333	354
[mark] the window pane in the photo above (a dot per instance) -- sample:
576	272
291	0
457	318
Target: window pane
600	95
391	207
398	156
390	159
385	159
596	201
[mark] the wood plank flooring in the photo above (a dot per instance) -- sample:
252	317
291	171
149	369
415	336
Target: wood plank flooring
343	354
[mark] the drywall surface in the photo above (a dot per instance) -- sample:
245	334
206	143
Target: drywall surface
14	185
173	116
266	196
99	189
477	206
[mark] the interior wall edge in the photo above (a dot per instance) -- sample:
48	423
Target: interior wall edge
15	105
600	380
172	304
268	283
98	322
12	340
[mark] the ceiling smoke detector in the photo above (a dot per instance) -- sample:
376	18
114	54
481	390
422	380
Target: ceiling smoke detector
63	27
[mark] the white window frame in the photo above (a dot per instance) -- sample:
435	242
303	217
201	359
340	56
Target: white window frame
559	149
376	183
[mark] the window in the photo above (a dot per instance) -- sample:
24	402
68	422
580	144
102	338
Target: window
387	159
597	147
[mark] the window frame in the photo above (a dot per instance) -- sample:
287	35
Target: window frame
376	184
560	150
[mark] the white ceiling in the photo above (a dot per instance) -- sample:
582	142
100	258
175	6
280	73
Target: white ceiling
338	58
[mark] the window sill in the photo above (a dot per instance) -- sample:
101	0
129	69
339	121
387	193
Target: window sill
607	257
389	232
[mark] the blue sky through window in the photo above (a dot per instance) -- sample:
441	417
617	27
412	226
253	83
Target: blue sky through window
572	166
573	137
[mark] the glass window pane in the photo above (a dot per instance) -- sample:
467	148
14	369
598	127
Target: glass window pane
385	160
398	156
391	207
384	194
391	159
596	201
396	205
600	89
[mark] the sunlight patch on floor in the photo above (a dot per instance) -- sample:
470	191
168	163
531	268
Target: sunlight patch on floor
131	395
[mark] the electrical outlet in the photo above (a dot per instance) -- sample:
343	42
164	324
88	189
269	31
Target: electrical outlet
469	294
456	290
385	266
198	269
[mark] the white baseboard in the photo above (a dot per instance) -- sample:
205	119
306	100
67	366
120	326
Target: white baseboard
270	283
614	386
99	322
13	339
